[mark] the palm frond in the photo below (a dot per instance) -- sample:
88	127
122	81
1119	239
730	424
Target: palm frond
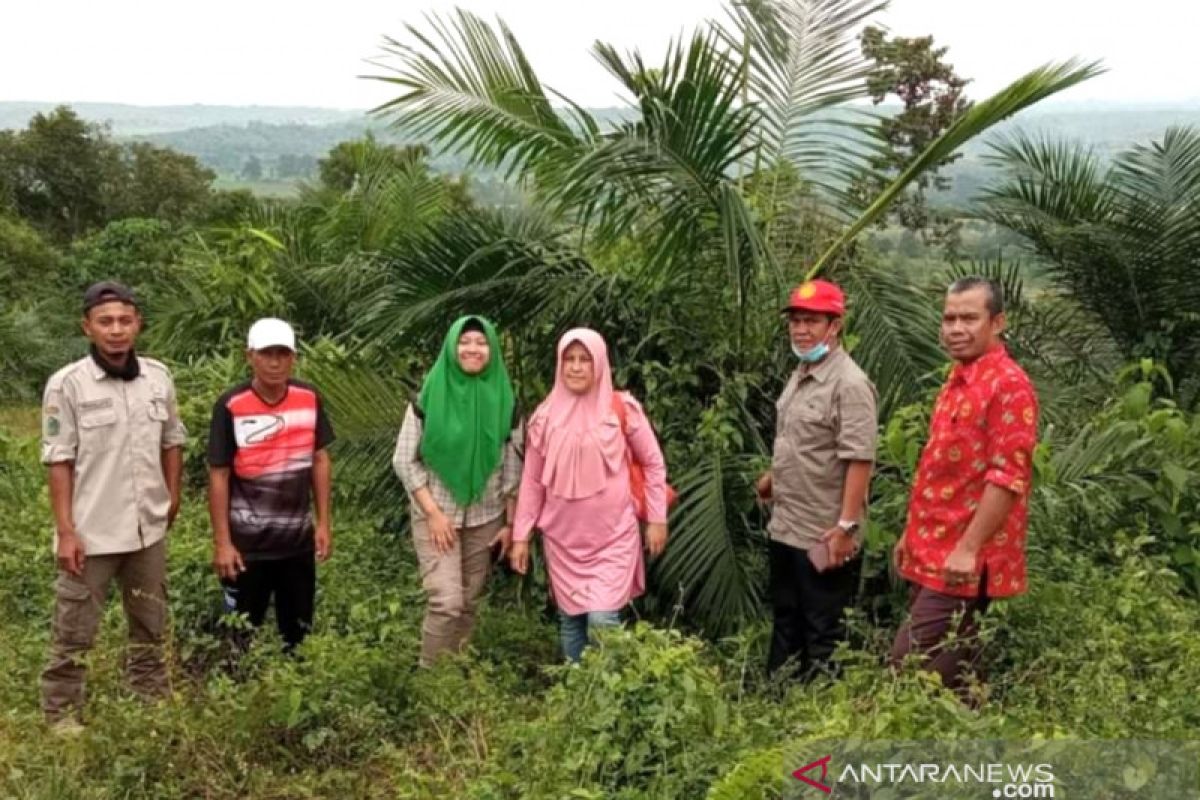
710	563
1158	195
894	325
335	242
1125	241
1027	90
667	176
470	88
366	397
1089	473
667	165
1054	183
803	65
484	260
384	207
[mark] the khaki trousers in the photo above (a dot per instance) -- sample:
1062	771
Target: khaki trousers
454	582
78	608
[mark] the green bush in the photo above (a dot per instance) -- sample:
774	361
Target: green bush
641	716
1106	644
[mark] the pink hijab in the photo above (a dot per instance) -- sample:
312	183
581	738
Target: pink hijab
580	449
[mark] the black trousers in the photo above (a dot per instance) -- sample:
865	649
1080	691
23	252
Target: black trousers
808	608
291	581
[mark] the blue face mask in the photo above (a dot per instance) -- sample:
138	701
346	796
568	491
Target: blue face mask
812	354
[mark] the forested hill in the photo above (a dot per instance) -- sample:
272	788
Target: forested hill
284	143
130	120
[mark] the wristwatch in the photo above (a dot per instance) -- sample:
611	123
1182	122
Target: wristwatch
849	526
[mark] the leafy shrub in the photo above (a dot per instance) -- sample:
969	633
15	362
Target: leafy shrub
641	716
1106	644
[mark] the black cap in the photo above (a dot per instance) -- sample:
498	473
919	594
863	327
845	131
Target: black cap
107	292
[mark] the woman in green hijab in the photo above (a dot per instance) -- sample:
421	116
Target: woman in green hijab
458	456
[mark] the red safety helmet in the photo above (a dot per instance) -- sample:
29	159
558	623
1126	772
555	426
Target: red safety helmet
820	296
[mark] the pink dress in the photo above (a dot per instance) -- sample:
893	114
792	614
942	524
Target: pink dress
593	545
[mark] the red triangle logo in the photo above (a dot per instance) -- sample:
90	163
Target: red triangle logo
823	763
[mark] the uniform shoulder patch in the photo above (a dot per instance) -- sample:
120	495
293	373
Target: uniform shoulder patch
58	379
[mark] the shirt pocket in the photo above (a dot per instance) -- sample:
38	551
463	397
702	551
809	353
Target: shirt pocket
156	422
811	427
956	451
806	434
97	425
156	409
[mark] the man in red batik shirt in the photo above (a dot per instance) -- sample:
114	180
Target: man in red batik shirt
965	539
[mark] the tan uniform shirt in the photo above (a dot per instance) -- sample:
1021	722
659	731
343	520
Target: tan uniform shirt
825	418
114	431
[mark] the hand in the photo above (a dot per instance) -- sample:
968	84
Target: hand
898	553
324	542
842	546
518	557
764	487
442	532
656	538
70	552
503	538
172	512
227	561
961	566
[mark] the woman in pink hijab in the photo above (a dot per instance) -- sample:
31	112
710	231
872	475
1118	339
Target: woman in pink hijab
575	490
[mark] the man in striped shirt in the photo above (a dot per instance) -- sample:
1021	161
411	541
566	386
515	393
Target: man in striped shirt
268	463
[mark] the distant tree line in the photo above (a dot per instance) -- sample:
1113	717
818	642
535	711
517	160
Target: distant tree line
66	177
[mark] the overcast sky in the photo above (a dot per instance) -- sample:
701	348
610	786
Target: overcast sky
301	52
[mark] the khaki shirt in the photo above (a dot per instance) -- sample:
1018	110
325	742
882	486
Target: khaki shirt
114	431
825	418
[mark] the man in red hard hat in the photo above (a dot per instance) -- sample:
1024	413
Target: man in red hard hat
817	485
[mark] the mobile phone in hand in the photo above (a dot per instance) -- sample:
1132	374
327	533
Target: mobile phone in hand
818	554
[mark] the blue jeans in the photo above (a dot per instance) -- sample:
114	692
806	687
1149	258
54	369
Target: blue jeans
573	629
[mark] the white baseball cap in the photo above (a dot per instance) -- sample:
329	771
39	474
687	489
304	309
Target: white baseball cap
271	332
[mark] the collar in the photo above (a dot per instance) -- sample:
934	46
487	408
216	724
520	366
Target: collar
287	390
967	373
102	369
822	371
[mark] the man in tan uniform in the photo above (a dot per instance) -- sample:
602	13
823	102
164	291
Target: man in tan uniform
112	438
820	471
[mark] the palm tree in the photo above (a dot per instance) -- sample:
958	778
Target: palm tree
1124	239
676	228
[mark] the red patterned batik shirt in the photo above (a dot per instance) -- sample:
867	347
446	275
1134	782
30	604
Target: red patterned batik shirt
984	430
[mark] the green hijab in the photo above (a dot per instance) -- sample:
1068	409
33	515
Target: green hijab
468	418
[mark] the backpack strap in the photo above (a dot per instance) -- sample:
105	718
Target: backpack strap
621	410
